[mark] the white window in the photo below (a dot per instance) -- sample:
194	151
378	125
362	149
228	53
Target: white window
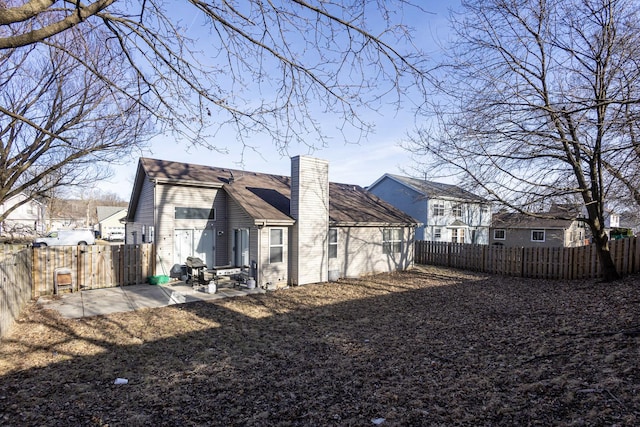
537	235
457	235
391	240
438	209
333	243
437	233
457	211
276	245
499	234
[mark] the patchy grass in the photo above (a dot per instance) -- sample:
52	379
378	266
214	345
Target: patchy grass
427	347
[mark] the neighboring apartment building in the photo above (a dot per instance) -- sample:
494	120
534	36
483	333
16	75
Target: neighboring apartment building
286	230
447	212
25	220
544	230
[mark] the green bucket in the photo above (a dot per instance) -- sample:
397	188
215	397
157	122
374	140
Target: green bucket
158	280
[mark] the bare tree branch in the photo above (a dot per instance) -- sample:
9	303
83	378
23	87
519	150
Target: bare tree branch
538	102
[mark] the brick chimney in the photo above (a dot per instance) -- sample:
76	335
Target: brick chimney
310	208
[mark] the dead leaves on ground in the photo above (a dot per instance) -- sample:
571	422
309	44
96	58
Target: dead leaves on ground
427	347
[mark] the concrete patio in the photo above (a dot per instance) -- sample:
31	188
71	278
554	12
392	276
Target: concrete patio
96	302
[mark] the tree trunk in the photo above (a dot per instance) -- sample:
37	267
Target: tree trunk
609	272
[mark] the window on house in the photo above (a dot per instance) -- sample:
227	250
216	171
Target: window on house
499	234
276	245
437	233
457	235
333	243
438	209
195	213
151	233
457	211
537	235
391	240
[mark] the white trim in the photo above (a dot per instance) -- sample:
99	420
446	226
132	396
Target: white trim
544	236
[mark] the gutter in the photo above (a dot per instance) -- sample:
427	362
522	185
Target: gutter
375	224
189	182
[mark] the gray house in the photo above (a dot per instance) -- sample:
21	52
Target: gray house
522	230
447	212
286	230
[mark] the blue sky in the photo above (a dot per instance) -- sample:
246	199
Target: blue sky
359	164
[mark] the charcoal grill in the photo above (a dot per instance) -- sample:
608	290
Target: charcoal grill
196	271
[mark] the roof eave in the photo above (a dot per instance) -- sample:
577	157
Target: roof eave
373	224
189	182
273	222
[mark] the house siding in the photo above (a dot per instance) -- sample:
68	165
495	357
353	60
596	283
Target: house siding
237	218
522	237
360	252
474	220
143	215
310	209
406	199
277	273
168	197
27	219
111	224
573	235
472	216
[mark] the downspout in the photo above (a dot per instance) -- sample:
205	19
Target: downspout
155	225
259	255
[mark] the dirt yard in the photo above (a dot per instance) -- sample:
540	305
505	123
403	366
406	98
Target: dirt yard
431	347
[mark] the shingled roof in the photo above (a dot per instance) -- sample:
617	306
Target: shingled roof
523	221
434	189
267	197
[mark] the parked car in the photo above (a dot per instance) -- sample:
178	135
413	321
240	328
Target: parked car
66	238
115	235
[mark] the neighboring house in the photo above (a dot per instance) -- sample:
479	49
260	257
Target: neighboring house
630	220
522	230
287	230
111	222
611	219
24	220
448	213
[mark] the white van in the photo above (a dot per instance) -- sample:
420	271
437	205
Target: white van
66	238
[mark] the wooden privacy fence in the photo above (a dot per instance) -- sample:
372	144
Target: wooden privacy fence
92	267
543	263
15	285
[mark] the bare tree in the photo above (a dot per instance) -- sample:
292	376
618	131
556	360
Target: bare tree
267	67
263	67
540	105
59	121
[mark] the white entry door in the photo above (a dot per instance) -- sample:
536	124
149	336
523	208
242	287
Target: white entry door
194	243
